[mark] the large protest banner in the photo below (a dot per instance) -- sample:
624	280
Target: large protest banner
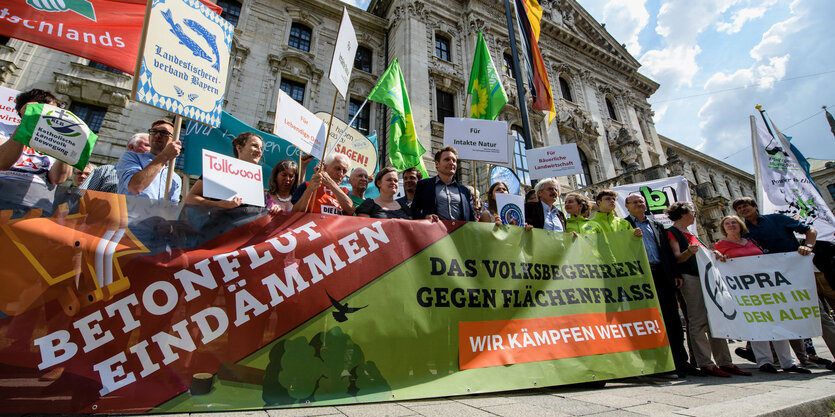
760	298
300	309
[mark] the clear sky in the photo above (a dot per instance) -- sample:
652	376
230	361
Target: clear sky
717	59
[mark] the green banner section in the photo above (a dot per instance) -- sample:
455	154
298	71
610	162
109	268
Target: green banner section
399	337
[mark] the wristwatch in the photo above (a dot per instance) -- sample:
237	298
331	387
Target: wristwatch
808	245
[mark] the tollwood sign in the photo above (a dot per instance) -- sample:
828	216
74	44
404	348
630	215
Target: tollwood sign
766	297
302	309
183	60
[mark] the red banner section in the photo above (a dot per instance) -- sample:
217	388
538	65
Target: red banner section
492	343
177	313
105	31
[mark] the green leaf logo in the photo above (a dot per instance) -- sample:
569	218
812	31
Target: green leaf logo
82	7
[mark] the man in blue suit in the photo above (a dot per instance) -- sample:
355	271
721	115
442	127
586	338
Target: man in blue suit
441	197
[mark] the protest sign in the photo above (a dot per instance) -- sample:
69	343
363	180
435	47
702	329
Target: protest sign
56	132
659	195
343	55
9	119
297	125
759	298
511	208
183	60
299	309
554	161
226	177
356	146
476	139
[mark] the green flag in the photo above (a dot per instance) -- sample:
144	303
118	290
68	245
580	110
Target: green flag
489	97
405	149
56	132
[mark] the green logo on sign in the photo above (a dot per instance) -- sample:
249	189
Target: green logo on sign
658	200
82	7
807	207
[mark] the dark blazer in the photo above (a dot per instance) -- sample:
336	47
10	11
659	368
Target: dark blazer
668	261
535	215
424	202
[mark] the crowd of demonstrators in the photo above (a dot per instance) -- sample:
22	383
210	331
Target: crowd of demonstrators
384	206
145	174
322	194
441	197
684	246
30	177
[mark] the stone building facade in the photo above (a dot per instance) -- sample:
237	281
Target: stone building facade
600	98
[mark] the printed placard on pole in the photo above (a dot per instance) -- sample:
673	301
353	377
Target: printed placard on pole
225	177
554	161
344	53
476	139
183	60
353	144
511	208
297	125
9	119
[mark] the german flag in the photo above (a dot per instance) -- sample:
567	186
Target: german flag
529	23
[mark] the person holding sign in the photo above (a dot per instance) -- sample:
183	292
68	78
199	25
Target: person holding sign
734	246
491	212
578	208
145	174
247	147
384	206
323	188
283	184
684	245
544	214
27	178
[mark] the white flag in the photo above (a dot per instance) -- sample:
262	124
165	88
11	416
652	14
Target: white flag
343	55
783	186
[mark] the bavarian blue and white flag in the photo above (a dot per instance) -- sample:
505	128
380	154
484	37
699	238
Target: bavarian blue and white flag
782	184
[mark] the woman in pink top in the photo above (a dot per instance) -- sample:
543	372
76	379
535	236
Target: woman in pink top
735	246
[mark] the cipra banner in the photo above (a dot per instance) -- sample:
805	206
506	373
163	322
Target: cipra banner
659	195
295	310
760	298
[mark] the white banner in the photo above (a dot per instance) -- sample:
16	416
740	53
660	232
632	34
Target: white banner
783	185
297	125
760	298
659	195
184	60
343	55
225	177
9	119
511	209
476	139
554	161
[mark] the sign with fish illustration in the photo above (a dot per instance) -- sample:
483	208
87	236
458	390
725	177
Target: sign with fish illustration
183	60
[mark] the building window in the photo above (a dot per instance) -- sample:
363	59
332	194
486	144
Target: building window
584	179
565	89
611	109
519	158
300	37
442	47
293	89
4	40
92	115
94	64
361	123
445	103
508	68
362	60
830	187
231	10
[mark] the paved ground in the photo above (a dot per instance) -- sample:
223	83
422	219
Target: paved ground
761	394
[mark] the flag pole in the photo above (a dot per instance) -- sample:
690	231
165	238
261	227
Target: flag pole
178	122
520	87
754	146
